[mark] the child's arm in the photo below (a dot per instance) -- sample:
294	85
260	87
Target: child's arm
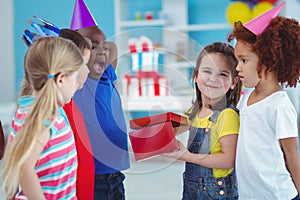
113	54
180	129
28	177
292	160
223	160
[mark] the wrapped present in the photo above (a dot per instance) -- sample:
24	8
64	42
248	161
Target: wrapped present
156	134
152	84
146	84
144	61
130	85
143	55
176	119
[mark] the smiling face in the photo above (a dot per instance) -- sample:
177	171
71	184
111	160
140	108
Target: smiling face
214	78
247	63
99	53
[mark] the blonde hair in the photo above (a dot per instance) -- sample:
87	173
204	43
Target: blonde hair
81	42
47	55
26	87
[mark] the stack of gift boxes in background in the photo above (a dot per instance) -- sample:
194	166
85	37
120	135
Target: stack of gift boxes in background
143	78
156	134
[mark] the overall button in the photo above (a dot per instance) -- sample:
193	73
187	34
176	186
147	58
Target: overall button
220	183
204	188
222	192
206	130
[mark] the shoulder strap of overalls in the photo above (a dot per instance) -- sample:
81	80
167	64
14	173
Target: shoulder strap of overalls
214	117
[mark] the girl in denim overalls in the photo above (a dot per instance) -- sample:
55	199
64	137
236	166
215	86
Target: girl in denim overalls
210	156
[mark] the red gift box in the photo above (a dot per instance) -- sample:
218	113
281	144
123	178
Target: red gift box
149	84
156	134
176	120
155	77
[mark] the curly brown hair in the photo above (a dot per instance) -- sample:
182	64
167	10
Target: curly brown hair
278	48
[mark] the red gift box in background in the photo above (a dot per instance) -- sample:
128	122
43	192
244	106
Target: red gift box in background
156	134
149	83
154	78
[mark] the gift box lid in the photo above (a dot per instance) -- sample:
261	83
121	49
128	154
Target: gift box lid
176	120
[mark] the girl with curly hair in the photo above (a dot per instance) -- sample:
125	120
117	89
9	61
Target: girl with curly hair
267	160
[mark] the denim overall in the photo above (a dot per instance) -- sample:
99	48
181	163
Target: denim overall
199	182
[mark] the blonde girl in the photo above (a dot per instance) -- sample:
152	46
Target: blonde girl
40	161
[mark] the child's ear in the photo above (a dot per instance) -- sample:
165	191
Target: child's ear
59	80
235	81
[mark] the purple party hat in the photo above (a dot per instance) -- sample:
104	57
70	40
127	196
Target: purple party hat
82	17
260	23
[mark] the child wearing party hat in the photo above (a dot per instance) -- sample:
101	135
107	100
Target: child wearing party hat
267	160
101	106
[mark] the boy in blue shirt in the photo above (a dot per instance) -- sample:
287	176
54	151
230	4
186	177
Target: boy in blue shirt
101	106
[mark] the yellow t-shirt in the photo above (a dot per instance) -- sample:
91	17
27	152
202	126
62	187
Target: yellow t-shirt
228	123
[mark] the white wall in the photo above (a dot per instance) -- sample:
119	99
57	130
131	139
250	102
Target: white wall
292	9
7	65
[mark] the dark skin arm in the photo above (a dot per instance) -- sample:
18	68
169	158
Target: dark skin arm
290	149
113	54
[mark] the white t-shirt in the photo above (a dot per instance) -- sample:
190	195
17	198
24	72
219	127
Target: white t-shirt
260	164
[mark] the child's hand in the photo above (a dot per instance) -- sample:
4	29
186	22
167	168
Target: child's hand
178	154
113	54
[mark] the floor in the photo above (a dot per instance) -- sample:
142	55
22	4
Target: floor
156	179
